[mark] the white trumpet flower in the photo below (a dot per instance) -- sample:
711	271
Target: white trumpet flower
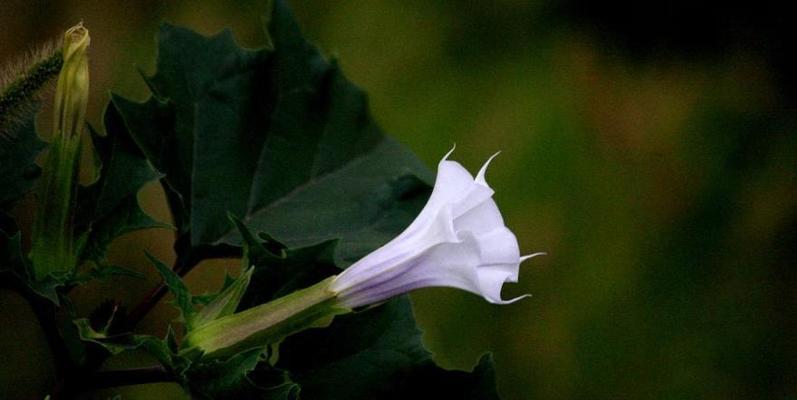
458	240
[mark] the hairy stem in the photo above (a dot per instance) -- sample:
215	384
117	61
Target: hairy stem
23	91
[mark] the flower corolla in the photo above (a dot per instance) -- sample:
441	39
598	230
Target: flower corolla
458	240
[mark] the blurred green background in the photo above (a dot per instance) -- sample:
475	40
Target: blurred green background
650	149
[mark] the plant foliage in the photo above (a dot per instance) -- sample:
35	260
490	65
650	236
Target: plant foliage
279	137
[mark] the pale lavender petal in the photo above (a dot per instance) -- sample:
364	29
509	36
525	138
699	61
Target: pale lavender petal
482	218
476	195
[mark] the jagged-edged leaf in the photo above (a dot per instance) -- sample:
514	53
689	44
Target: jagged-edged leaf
109	207
118	343
205	90
232	379
175	284
276	276
19	147
257	250
13	261
377	354
277	136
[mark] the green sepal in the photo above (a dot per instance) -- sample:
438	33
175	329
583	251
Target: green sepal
226	302
266	324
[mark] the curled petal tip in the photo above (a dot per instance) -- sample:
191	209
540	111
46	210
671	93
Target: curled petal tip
524	258
510	301
483	170
445	157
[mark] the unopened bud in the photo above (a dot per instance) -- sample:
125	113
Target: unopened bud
72	92
53	250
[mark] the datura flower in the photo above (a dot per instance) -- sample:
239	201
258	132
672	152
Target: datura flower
458	240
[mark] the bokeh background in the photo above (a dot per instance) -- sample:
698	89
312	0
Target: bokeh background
649	148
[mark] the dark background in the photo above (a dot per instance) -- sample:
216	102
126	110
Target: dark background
650	148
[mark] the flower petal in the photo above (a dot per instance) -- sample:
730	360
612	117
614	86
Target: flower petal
482	218
498	246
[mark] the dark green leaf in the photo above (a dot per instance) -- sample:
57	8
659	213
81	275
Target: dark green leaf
257	250
210	85
233	379
279	137
118	343
432	382
295	269
18	170
109	207
377	354
182	297
125	169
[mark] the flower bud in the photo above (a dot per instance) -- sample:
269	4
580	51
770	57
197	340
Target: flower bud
72	91
53	250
